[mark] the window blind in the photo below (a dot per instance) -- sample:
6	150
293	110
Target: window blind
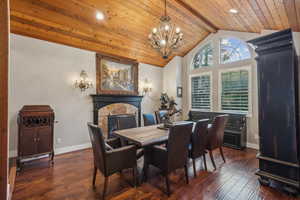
235	94
201	86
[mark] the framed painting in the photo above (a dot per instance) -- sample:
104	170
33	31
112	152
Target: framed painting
116	76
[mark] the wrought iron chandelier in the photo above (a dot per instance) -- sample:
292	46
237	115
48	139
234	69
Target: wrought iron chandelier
166	37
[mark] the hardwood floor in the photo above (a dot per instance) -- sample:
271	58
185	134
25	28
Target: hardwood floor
71	179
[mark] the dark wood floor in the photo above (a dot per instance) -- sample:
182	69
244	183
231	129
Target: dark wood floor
71	176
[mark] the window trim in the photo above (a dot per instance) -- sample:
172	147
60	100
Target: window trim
198	50
238	61
211	90
247	68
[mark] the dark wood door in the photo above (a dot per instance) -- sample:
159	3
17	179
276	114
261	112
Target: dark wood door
4	56
28	143
45	143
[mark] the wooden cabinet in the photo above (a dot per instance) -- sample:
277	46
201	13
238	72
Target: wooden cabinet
278	97
36	125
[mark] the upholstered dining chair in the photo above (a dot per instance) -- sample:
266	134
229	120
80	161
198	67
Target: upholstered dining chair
198	143
215	136
126	121
109	158
172	157
149	119
160	115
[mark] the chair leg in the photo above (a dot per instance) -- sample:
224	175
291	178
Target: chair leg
222	154
212	159
186	174
105	187
194	167
94	176
145	171
168	185
204	160
135	171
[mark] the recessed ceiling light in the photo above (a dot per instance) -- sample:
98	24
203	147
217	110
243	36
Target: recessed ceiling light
234	11
99	15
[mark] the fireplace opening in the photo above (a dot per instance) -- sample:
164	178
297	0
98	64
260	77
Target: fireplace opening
114	109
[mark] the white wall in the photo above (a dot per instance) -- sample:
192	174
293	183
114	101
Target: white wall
172	78
44	73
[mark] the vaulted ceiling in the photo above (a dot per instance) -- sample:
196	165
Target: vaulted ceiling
127	23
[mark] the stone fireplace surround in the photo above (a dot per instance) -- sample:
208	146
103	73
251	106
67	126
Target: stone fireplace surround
104	103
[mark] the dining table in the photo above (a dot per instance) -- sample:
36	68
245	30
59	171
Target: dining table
144	136
147	135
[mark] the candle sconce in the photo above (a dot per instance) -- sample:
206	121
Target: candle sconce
83	84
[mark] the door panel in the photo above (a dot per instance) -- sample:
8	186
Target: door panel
28	144
44	139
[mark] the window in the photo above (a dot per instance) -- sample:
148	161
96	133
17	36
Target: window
235	90
232	50
204	58
201	87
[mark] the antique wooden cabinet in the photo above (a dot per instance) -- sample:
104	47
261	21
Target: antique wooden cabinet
36	123
278	97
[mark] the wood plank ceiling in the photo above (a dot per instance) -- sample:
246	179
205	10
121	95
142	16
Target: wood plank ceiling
127	23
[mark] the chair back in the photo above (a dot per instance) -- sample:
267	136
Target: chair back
178	142
149	119
199	138
160	115
126	121
216	132
98	145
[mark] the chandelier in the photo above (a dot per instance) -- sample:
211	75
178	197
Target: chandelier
166	37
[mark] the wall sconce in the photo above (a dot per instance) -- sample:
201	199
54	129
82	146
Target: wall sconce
147	86
84	83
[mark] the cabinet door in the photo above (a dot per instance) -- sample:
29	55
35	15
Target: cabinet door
277	106
28	144
45	142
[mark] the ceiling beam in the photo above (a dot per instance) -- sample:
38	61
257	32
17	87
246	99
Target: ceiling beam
206	24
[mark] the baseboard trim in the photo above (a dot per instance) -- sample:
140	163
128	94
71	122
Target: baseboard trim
252	146
62	150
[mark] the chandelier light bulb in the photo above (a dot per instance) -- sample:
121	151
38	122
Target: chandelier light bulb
178	30
167	27
163	42
154	30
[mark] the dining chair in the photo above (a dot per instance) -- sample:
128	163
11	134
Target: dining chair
126	121
159	114
109	158
149	119
198	143
215	136
172	157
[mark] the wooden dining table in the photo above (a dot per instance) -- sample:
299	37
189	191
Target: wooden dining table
147	135
144	136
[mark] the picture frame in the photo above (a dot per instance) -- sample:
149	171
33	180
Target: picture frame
179	91
116	76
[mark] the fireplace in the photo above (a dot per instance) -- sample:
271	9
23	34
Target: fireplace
105	105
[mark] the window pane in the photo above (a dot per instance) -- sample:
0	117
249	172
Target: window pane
204	57
235	93
201	92
233	50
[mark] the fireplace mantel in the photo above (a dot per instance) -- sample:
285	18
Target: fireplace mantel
102	100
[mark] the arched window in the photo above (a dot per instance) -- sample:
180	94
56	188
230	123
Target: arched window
232	50
204	57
